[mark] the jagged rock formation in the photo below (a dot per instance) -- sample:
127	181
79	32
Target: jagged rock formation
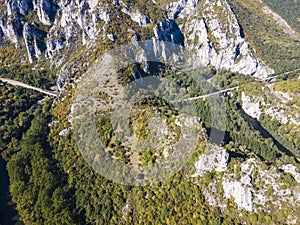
275	107
213	33
10	30
242	195
34	41
46	11
168	31
136	16
215	159
252	108
77	18
252	187
14	25
210	30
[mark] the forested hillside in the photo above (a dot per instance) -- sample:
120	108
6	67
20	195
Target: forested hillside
277	49
289	10
233	154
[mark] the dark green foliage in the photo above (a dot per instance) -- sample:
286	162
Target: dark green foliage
272	45
44	78
243	134
105	130
292	143
38	186
289	10
17	103
227	79
15	116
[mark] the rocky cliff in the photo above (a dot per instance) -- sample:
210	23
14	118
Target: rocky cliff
276	107
248	185
209	29
212	31
69	33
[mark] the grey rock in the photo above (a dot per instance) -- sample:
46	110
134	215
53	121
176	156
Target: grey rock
214	40
215	158
34	41
168	30
214	35
136	16
11	30
181	8
75	18
18	7
45	10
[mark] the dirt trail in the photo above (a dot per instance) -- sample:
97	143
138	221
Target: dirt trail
20	84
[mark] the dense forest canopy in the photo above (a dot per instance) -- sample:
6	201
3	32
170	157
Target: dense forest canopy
289	10
52	183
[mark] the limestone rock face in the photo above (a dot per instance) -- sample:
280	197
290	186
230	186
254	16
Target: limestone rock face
253	188
242	195
34	41
252	108
208	29
182	8
136	16
276	106
293	170
10	30
46	11
13	25
216	159
168	30
213	33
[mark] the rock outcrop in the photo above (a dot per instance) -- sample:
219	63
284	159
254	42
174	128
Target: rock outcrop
210	29
293	170
34	41
46	11
253	187
167	30
10	29
136	16
14	25
213	33
216	158
252	108
18	7
273	104
242	195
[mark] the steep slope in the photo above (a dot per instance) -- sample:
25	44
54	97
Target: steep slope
245	179
276	105
213	33
51	29
286	28
289	10
278	49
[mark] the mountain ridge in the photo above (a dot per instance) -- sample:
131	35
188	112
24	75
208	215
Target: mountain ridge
62	32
